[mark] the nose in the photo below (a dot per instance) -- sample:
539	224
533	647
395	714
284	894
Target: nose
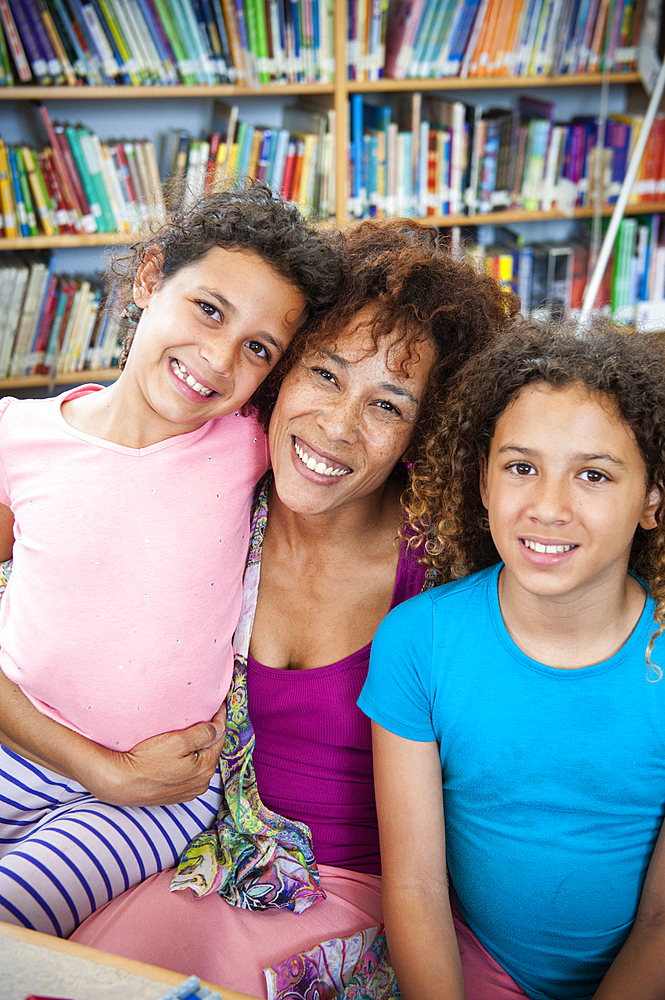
550	503
219	352
340	419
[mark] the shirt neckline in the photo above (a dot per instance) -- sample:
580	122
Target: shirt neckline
638	637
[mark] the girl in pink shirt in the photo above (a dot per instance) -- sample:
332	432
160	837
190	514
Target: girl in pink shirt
127	508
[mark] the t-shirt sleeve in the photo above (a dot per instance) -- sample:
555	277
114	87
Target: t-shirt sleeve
397	692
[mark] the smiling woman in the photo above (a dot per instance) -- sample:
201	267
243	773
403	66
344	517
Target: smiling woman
350	416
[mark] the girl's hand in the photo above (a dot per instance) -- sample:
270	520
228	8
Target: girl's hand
163	770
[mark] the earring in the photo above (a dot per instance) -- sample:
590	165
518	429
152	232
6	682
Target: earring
132	313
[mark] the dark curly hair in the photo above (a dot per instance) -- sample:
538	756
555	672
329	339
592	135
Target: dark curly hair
444	507
250	218
421	292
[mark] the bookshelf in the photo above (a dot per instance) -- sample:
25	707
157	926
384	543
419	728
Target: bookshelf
135	104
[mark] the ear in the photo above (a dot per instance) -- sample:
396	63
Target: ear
148	277
483	482
651	505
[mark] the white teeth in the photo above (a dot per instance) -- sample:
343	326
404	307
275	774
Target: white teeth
320	467
181	372
549	549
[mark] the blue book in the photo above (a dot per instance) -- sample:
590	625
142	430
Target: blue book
357	153
460	37
295	21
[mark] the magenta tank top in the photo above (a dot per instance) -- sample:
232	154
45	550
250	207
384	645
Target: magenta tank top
313	752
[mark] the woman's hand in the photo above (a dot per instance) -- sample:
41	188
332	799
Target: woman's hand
163	770
166	769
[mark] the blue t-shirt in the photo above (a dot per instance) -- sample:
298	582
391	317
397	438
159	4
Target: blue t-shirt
553	780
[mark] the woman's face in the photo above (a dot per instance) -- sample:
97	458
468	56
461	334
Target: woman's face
344	418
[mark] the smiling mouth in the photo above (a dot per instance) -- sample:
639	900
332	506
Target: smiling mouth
317	464
181	372
550	550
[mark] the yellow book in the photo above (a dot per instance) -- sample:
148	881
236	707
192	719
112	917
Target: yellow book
7	195
219	175
306	186
233	157
44	210
257	139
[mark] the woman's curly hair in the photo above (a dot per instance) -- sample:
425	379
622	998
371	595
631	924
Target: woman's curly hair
444	507
419	292
251	218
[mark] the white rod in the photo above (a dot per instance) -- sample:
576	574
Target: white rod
594	283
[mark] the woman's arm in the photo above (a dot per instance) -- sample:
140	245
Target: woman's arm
416	905
6	532
166	769
638	971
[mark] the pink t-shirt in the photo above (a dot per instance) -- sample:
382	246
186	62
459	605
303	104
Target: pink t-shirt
127	580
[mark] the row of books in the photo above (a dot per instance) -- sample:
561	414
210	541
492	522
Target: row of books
108	42
443	157
468	38
78	184
53	324
297	160
551	278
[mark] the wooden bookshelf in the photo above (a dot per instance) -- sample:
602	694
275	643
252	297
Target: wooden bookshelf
123	93
67	378
490	218
448	83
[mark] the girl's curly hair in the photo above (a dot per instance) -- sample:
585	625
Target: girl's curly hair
420	292
444	506
251	218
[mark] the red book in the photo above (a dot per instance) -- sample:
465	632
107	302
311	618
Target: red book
124	174
41	338
60	165
60	205
212	160
431	172
297	170
289	165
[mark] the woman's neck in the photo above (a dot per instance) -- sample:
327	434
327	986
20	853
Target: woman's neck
572	630
344	528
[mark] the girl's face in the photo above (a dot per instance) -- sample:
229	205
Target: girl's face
343	419
208	337
565	488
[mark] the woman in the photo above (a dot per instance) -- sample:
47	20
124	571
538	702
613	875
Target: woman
348	419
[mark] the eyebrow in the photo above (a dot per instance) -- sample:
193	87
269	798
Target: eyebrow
579	457
225	304
396	390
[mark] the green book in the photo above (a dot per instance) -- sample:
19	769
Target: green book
181	55
262	52
90	153
83	172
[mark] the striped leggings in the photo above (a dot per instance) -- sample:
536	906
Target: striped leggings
63	854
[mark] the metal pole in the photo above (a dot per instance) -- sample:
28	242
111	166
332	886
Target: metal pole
617	215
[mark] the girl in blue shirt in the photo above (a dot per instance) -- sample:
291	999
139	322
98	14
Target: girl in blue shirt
519	711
